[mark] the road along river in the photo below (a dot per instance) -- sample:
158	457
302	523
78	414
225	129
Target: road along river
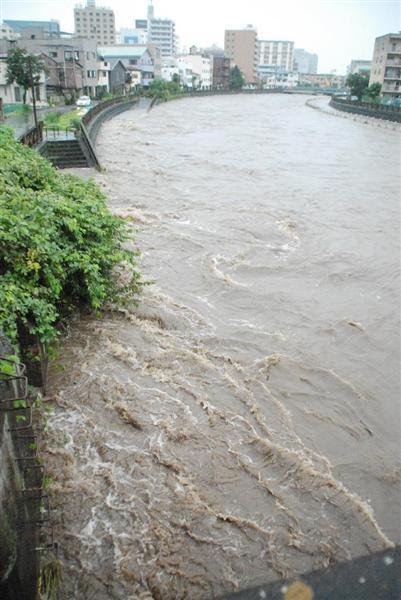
242	423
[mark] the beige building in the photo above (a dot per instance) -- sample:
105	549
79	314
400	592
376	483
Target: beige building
322	80
95	23
386	64
240	46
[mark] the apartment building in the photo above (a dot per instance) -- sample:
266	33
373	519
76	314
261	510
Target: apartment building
221	72
386	65
359	66
240	46
202	69
22	27
323	80
305	62
161	33
95	23
275	55
7	33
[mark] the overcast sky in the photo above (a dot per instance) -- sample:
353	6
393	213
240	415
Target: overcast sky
337	31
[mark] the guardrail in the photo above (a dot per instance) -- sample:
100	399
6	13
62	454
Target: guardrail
33	136
102	106
378	111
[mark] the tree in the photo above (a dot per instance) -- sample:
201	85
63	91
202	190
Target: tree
237	80
24	69
357	83
372	93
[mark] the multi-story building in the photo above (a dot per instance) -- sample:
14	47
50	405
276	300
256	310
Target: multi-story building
161	33
132	36
133	58
386	65
240	46
305	62
283	79
71	55
221	72
7	33
112	77
202	69
276	55
95	23
359	66
43	28
322	80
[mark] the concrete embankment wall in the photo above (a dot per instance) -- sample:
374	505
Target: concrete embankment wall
104	111
368	110
19	510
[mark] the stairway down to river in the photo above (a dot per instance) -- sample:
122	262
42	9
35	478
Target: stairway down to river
64	154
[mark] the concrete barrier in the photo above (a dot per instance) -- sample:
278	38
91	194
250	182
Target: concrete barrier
386	113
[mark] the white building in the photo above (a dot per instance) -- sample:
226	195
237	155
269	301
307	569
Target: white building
161	33
178	66
275	56
202	69
305	62
169	68
359	66
132	36
281	80
95	23
7	33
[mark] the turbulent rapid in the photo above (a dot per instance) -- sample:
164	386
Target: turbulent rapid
240	424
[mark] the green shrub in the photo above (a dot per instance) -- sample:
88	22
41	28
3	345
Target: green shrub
59	245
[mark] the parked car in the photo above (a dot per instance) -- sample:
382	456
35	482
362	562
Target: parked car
83	101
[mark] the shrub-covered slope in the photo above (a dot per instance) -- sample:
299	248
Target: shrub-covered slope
59	244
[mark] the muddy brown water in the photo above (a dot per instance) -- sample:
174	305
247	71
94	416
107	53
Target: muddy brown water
242	423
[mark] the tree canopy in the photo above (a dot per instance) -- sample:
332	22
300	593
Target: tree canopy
237	79
372	93
24	69
357	83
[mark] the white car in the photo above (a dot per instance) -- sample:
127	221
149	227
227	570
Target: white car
83	101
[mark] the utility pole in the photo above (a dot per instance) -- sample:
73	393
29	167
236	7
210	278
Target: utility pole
35	116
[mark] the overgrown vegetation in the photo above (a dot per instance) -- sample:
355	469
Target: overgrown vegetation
237	79
358	84
165	89
50	580
63	120
59	245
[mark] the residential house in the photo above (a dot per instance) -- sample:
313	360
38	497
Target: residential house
131	55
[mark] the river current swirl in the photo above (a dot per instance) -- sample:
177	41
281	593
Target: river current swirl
242	423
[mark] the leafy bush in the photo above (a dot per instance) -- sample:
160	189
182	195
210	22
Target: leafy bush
59	244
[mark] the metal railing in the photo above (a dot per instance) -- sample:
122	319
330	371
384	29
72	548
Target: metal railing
377	111
33	136
55	132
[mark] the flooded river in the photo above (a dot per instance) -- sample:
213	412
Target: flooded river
242	423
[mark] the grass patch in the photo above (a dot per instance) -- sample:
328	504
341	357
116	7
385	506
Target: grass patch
63	120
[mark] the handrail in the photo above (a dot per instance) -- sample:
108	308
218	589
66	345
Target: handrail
367	105
33	136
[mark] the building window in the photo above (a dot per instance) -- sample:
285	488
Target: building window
53	54
91	73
